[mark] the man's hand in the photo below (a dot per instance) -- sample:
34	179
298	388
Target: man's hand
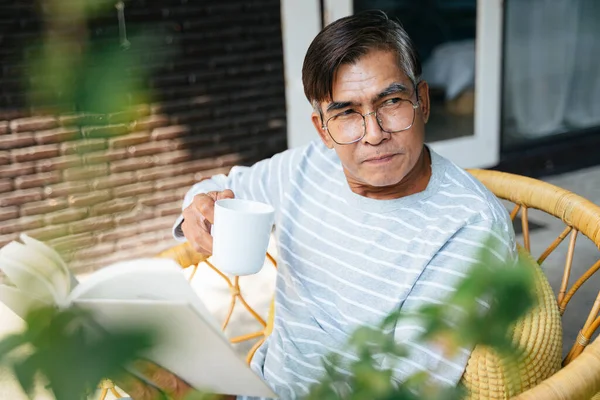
168	383
198	218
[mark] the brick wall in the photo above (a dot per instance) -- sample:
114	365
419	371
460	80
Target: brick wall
103	187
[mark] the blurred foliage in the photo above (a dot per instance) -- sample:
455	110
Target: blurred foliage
458	323
202	396
75	70
65	349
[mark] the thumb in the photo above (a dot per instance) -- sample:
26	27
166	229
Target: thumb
225	194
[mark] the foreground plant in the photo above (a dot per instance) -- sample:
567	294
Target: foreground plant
509	290
63	349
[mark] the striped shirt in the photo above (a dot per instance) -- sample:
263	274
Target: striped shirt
347	260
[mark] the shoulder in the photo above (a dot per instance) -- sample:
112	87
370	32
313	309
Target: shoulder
314	155
295	155
312	162
458	186
285	162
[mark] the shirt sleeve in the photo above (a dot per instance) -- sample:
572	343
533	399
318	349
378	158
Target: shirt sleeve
463	251
265	181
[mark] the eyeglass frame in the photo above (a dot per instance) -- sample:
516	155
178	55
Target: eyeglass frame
374	112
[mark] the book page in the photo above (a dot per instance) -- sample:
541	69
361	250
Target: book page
17	258
187	345
28	280
142	279
51	254
18	301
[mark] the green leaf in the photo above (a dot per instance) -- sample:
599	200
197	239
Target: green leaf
70	351
25	371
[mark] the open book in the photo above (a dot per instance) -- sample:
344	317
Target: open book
147	293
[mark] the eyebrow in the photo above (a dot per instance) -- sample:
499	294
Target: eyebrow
393	88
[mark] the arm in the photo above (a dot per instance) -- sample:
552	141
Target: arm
484	239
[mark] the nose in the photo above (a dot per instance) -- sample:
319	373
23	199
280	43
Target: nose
373	132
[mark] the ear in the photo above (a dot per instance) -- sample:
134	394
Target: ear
425	106
323	134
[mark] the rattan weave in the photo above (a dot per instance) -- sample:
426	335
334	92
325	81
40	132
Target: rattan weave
538	333
579	378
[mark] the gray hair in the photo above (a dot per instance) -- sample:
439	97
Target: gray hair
345	41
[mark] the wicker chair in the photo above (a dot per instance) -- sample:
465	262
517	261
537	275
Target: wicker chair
579	377
543	374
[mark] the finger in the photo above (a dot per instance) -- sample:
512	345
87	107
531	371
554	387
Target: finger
192	226
204	204
207	243
208	210
207	225
193	217
188	230
170	383
136	388
213	195
167	381
200	240
225	194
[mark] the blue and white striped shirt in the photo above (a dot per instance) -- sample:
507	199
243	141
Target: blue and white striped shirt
347	260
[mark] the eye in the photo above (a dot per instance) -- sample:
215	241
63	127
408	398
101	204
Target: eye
345	113
394	100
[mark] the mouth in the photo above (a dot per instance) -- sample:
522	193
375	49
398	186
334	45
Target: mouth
380	159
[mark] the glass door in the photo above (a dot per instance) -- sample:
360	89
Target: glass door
460	43
551	79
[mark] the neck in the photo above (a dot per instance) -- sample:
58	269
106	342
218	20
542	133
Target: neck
414	182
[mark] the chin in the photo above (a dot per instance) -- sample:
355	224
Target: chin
384	175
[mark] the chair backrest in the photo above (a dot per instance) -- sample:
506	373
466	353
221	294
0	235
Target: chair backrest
578	215
580	376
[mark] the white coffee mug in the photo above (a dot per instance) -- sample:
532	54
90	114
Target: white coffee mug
241	233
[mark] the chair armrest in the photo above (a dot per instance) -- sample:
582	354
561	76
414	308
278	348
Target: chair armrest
183	254
579	380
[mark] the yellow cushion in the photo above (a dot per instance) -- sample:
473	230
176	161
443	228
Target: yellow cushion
539	333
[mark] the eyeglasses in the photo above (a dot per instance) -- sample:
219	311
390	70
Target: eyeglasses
394	115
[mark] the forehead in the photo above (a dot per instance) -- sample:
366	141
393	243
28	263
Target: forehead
360	81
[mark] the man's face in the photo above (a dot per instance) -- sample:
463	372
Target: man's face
379	159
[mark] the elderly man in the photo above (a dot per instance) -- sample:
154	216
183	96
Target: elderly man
368	218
